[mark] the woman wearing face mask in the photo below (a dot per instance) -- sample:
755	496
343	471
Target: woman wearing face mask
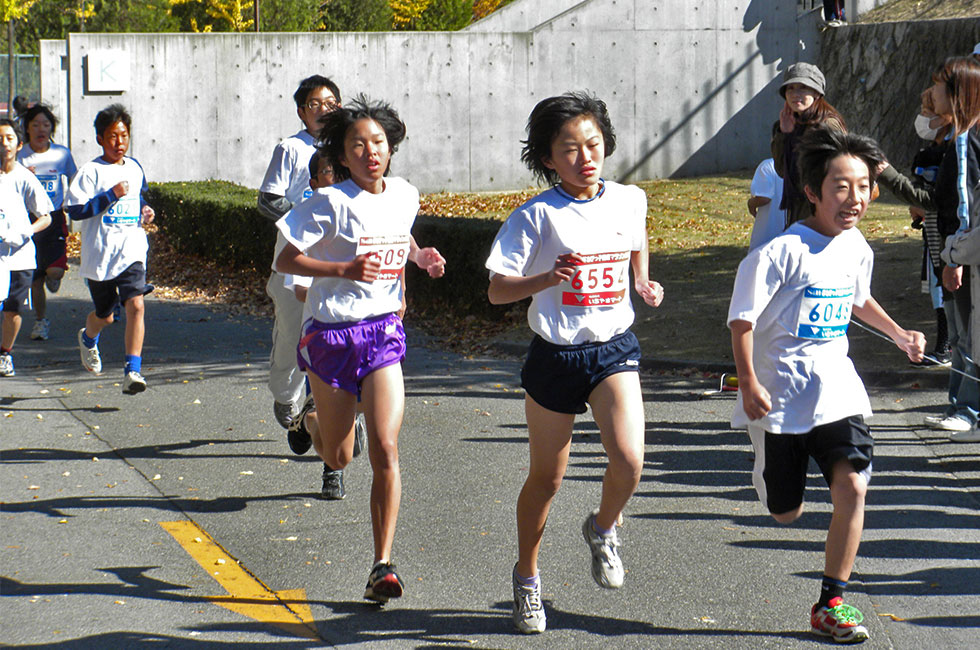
804	109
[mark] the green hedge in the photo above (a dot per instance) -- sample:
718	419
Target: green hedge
219	221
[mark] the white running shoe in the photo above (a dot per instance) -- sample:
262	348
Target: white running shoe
6	366
529	616
607	568
42	327
91	359
973	435
947	423
133	383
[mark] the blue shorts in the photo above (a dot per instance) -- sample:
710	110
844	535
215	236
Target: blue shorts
19	294
561	377
343	354
107	293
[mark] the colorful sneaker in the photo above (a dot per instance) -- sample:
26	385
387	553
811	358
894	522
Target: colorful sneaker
91	359
607	568
53	284
529	616
839	621
6	365
296	434
133	383
42	327
360	435
383	583
333	484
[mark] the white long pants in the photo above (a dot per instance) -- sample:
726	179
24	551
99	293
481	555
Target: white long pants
286	382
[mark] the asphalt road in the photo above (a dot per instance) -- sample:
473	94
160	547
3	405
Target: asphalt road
179	518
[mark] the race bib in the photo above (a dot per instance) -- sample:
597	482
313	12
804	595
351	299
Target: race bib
124	212
599	281
50	183
391	251
824	313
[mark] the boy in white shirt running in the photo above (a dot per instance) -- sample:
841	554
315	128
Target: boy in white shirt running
571	249
21	198
799	395
106	197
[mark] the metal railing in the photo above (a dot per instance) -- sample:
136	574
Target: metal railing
27	77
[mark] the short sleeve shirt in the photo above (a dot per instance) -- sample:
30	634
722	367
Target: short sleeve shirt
54	168
21	195
798	292
114	239
595	305
341	222
288	173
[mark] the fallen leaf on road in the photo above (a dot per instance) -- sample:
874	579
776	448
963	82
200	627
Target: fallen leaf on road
246	473
893	617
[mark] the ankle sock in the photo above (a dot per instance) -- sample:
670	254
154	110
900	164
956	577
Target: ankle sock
830	588
533	581
4	350
605	532
89	342
134	363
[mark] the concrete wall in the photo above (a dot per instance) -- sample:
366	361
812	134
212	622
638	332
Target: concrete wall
876	73
691	87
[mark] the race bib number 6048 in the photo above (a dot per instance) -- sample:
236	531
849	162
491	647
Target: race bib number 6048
599	281
824	312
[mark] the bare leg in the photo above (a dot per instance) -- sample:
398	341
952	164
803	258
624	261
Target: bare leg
39	299
847	492
549	438
94	325
333	439
135	328
11	327
617	405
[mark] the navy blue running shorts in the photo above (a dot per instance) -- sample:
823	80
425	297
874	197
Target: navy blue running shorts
561	377
128	284
19	295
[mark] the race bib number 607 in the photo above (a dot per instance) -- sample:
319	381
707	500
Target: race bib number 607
391	251
599	281
824	312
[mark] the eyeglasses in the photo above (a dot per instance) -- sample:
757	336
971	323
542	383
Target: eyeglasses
314	104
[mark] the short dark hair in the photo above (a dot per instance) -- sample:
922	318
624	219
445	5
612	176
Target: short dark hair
315	163
821	145
12	124
545	123
40	109
310	84
110	115
336	123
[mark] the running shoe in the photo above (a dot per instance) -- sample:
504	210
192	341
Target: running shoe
296	434
383	583
53	284
607	568
360	435
42	327
333	484
947	423
973	435
90	356
529	616
133	383
284	412
6	365
839	621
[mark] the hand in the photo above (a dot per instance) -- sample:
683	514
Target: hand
431	262
787	119
121	189
913	344
916	212
148	215
952	278
651	292
752	207
756	401
564	268
362	269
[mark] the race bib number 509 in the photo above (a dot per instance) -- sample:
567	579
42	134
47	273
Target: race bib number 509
599	281
824	312
391	251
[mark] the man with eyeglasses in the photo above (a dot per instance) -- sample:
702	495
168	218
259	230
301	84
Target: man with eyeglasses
286	182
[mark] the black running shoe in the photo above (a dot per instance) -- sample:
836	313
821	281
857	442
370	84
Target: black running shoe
360	435
383	583
333	484
296	434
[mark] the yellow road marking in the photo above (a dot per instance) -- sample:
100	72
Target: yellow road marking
287	609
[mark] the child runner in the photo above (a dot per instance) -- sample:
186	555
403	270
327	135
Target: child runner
770	220
106	196
286	183
353	238
51	163
21	198
570	249
799	394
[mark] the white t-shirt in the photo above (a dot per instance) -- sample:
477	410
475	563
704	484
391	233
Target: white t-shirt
20	194
49	167
114	239
288	173
341	222
798	291
770	220
595	305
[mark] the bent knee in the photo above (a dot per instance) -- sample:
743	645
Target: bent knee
788	517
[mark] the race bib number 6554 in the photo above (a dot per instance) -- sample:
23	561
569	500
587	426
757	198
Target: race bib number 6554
600	280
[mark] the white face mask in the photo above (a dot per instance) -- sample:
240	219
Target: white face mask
922	127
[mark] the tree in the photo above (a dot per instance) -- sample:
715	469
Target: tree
446	15
289	15
407	12
355	16
233	12
11	11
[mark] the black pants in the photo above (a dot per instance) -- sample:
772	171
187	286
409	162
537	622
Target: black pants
833	9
